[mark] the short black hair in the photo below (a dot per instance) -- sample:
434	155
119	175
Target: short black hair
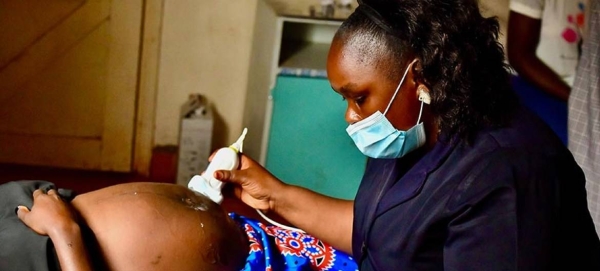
462	61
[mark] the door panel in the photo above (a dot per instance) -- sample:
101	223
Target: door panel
68	84
308	143
22	23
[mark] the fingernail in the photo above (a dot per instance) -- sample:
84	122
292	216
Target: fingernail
218	175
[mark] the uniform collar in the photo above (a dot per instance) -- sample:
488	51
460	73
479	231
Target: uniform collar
392	185
407	186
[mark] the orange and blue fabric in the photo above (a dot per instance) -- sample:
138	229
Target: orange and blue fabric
275	248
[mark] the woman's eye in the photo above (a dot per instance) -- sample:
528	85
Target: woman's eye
360	100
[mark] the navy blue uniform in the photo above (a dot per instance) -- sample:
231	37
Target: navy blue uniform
513	199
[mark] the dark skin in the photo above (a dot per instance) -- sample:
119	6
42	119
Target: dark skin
51	216
522	41
139	226
366	89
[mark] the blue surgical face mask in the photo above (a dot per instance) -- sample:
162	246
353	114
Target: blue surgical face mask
376	137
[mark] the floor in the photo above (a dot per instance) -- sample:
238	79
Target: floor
82	181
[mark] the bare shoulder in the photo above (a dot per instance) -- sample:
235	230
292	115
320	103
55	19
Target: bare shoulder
152	226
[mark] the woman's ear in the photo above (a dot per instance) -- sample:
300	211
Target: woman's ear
417	69
423	94
422	90
417	72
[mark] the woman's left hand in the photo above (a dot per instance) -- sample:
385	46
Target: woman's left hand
48	214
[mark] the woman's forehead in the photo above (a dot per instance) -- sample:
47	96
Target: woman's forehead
348	68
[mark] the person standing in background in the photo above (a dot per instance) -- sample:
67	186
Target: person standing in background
543	48
584	111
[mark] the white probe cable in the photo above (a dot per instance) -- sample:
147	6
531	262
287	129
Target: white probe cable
278	224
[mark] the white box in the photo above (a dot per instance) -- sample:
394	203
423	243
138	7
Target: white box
195	138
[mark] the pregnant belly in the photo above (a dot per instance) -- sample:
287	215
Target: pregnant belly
152	226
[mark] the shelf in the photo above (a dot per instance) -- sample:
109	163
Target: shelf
301	9
304	59
304	46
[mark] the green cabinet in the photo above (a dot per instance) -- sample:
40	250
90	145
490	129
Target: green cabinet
308	144
295	121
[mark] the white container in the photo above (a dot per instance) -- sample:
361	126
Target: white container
195	138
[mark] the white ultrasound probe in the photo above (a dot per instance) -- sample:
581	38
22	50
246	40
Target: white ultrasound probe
224	159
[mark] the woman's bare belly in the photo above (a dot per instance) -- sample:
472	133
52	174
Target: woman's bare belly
151	226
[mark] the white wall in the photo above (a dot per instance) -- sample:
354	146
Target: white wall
498	8
205	48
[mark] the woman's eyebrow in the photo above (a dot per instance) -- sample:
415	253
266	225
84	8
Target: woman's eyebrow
349	87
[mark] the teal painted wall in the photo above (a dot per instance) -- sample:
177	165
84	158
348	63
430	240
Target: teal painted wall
308	144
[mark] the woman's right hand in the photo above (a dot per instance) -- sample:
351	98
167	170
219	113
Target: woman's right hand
254	185
49	214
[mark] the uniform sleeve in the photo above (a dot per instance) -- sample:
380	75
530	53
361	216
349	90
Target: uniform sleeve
482	233
530	8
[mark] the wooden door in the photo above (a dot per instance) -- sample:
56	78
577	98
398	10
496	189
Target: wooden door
68	79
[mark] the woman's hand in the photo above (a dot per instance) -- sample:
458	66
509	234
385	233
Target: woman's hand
48	214
51	216
255	186
259	189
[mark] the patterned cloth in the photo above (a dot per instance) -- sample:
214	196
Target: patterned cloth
274	248
584	112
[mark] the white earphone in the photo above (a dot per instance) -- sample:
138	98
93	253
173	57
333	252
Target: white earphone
424	95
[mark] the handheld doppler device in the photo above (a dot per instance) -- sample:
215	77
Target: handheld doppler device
224	159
